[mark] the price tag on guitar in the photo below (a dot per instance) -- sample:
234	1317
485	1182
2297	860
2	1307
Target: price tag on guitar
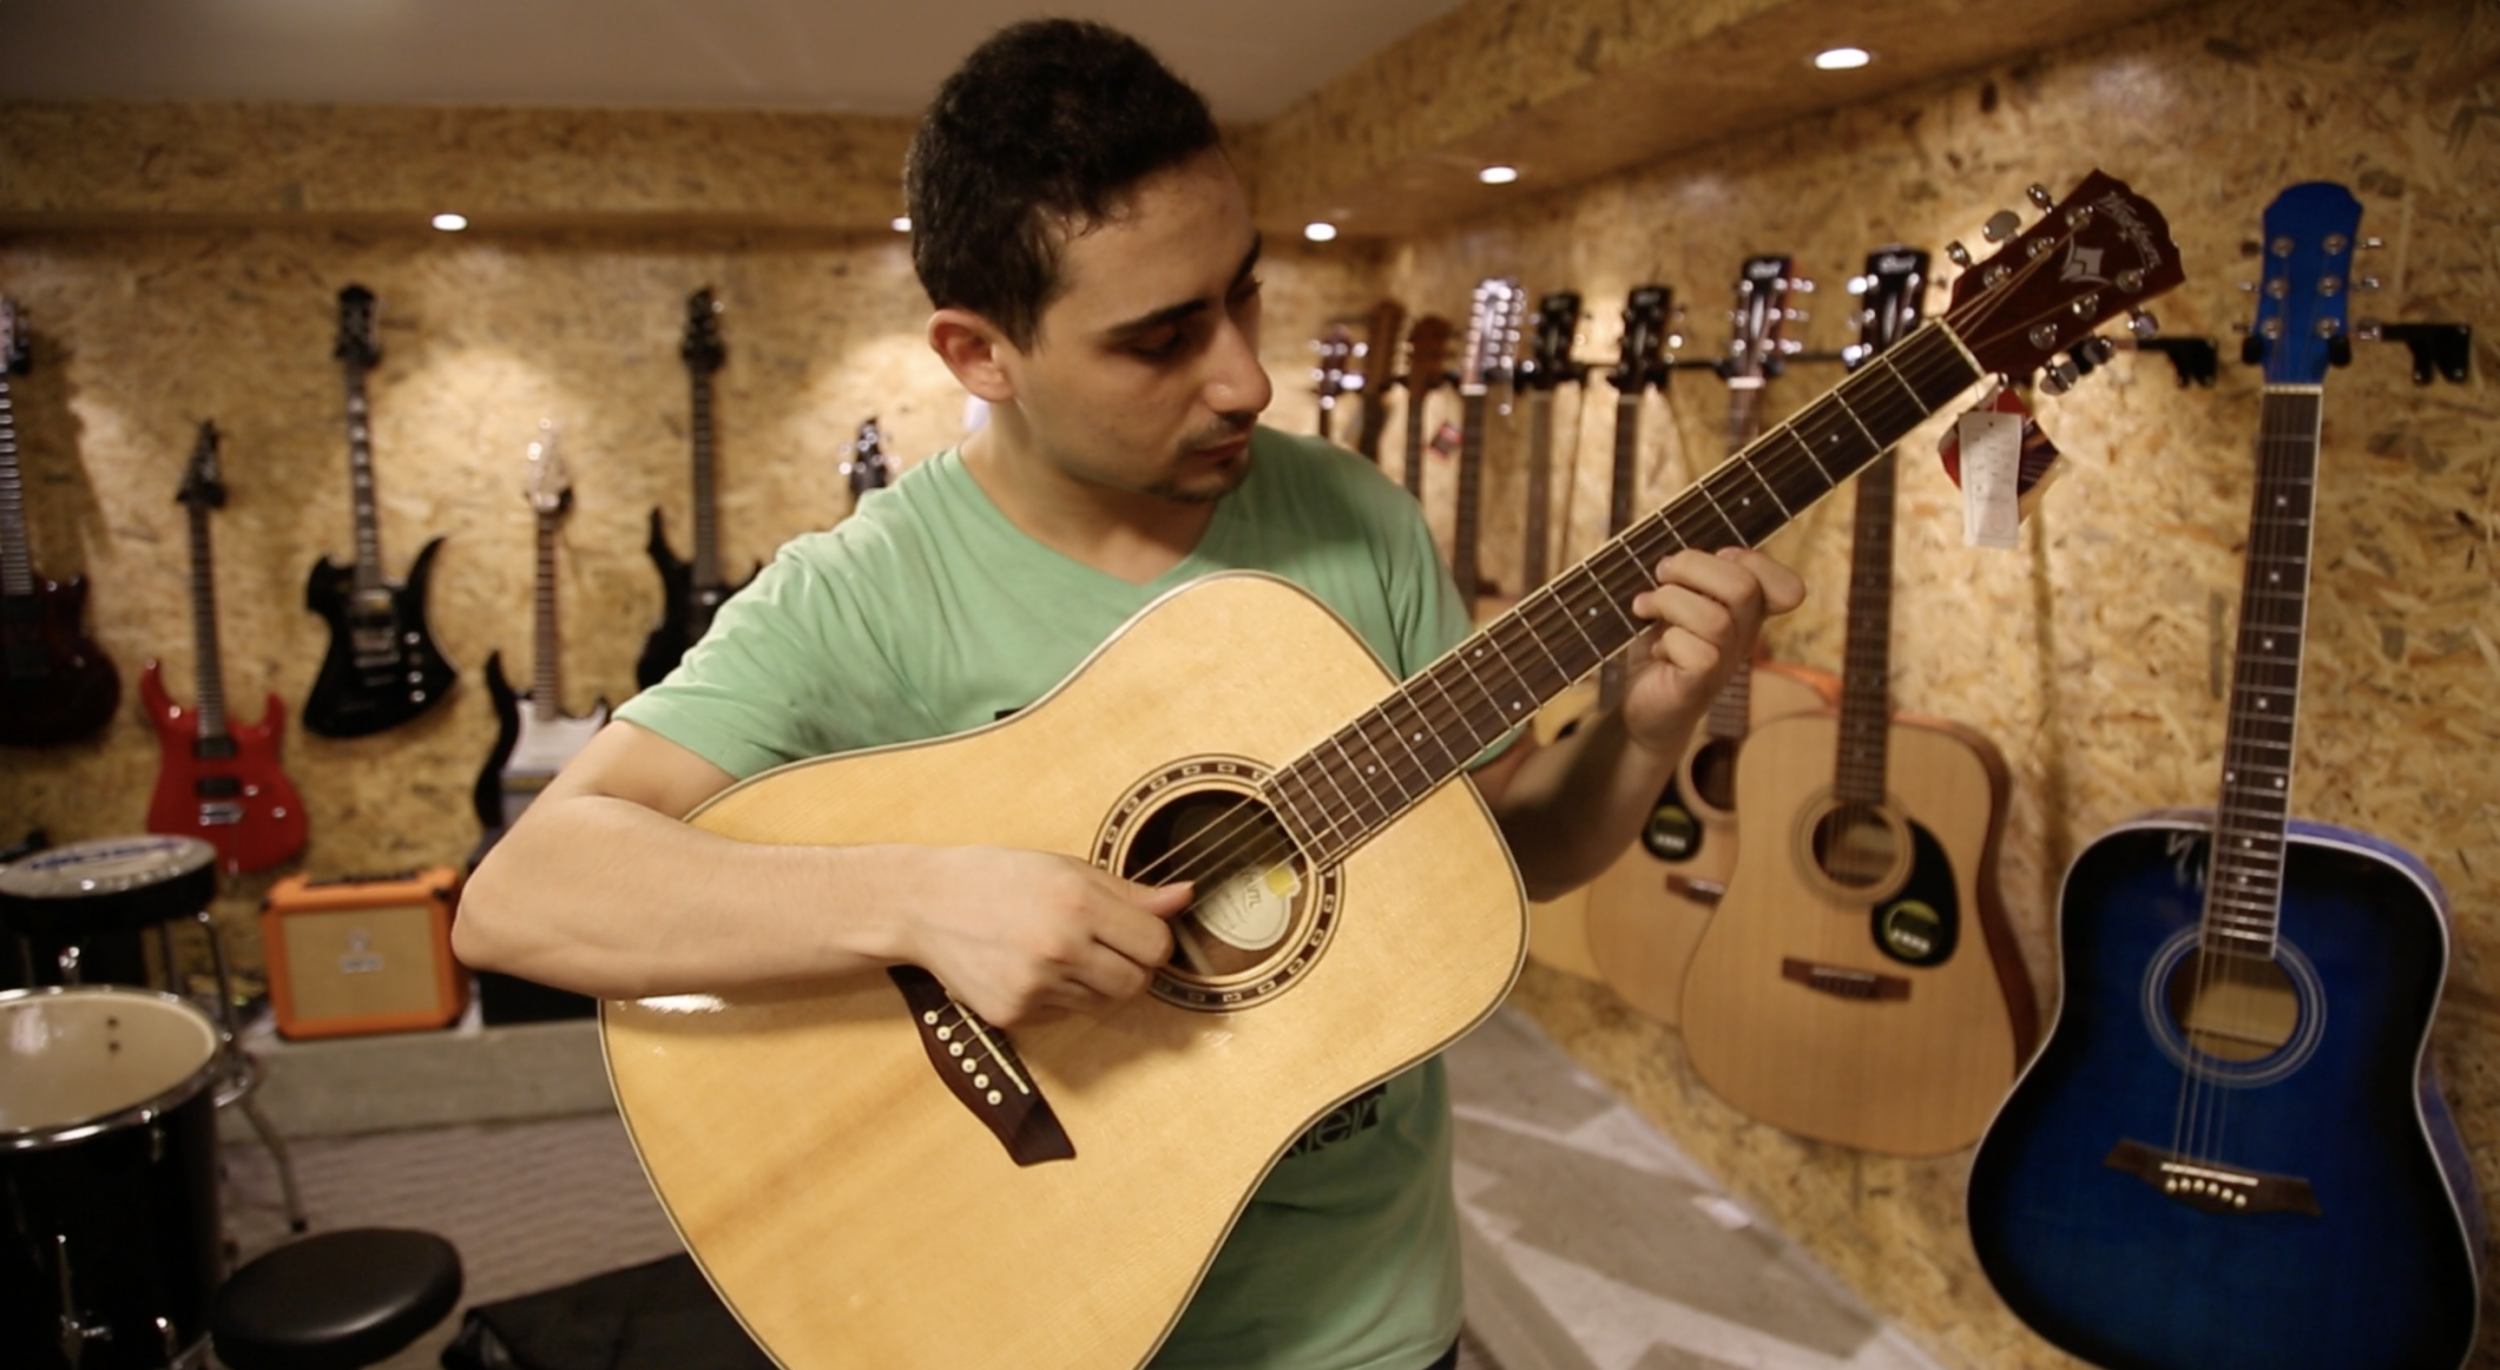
1998	455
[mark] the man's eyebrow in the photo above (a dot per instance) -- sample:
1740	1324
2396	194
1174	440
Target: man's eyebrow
1170	314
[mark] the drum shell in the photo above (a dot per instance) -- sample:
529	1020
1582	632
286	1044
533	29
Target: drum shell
135	1196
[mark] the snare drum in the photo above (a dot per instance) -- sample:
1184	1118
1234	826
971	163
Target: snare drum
98	896
109	1235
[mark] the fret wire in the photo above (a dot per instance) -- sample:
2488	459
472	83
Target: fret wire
1353	769
1411	781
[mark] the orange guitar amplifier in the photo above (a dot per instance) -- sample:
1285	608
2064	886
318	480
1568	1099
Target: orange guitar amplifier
363	953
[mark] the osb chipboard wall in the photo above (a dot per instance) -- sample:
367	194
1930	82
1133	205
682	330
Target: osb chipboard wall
139	335
2095	654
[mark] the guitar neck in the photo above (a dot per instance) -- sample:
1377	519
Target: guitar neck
544	685
1731	712
2244	888
360	492
1866	695
1336	796
1540	488
1464	531
212	706
1625	470
706	519
1416	393
17	566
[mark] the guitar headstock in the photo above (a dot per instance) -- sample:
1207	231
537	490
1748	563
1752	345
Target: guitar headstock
1427	353
548	486
1493	335
1377	357
1643	362
1757	345
1889	298
2100	252
202	487
1336	355
1549	358
15	354
2301	329
866	466
358	345
702	348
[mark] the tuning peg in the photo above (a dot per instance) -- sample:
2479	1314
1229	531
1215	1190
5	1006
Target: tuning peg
2372	244
2143	325
2059	378
2253	350
2039	195
2370	330
2339	350
1858	284
2366	283
2094	351
2248	287
1799	285
1957	254
1795	315
2001	225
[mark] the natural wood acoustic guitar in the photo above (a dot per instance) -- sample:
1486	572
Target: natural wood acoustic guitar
874	1177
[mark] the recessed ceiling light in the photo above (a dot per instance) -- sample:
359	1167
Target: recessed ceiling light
1498	175
451	223
902	223
1320	231
1842	59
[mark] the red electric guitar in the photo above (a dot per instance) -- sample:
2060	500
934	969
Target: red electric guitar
220	780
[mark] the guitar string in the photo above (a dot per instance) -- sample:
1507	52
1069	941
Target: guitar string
1243	832
1245	814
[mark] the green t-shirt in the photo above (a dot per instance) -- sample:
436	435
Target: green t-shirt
928	613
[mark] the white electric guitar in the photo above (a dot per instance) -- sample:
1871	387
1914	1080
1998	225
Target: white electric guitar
534	737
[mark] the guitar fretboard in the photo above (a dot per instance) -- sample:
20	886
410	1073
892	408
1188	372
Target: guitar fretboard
1336	796
545	699
17	567
213	738
706	517
1464	531
1866	685
360	493
2244	885
1533	556
1625	470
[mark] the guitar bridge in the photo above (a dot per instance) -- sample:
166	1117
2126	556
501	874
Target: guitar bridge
2213	1188
981	1070
1843	982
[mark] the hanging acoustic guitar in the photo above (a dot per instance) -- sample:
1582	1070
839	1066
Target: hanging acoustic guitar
58	685
872	1176
2231	1155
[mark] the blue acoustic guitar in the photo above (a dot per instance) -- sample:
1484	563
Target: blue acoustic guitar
2232	1155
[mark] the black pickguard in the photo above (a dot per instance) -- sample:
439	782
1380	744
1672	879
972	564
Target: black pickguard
382	668
686	612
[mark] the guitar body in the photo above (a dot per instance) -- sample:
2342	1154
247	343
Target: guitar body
852	1212
58	685
1867	1049
235	798
2385	1273
686	612
528	749
1646	912
382	668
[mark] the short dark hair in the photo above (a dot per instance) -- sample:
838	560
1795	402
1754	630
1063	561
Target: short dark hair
1040	133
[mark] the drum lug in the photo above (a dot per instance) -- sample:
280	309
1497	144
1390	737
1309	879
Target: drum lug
74	1334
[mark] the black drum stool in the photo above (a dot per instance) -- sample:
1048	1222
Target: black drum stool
337	1301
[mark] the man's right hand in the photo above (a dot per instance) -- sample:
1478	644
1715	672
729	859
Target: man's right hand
1017	935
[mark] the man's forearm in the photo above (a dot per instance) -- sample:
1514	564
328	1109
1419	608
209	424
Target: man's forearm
1575	804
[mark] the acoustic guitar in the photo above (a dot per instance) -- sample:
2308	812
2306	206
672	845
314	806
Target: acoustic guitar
217	778
691	590
872	1176
1376	363
1859	983
1491	360
382	668
534	736
56	684
1332	375
2232	1155
1647	910
1427	369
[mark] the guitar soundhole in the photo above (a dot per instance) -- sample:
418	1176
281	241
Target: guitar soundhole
2233	1008
1856	847
1672	832
1714	774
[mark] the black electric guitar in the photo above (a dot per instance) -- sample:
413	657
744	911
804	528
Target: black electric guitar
1051	1197
534	736
1491	360
59	685
865	464
1376	363
691	590
1859	982
2232	1155
382	668
1427	370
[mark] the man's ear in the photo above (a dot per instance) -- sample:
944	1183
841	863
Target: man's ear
976	351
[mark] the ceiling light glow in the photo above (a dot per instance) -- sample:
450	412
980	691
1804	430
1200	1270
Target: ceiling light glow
902	223
451	223
1498	175
1842	59
1320	232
